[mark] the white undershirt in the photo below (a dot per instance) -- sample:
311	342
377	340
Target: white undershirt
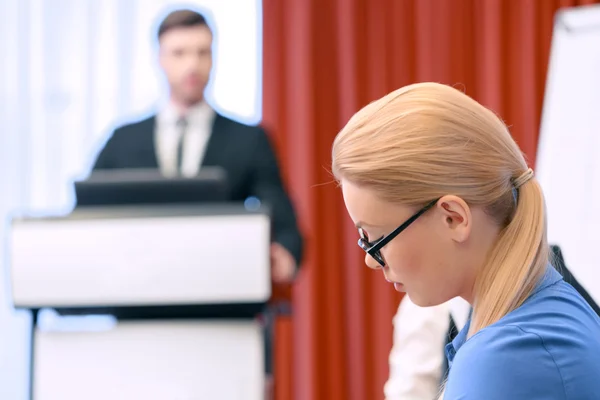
417	355
168	134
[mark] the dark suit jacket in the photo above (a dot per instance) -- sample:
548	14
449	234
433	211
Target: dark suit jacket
559	262
243	151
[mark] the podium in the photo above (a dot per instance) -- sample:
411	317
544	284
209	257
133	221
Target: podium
183	281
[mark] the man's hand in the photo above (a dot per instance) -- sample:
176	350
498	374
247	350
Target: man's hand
283	264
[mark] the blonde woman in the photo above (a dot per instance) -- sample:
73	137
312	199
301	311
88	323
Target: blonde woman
446	206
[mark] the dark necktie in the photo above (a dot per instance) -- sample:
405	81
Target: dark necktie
182	125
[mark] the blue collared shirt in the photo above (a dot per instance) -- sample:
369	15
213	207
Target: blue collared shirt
549	348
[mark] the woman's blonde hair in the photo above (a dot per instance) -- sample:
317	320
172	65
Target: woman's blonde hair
427	140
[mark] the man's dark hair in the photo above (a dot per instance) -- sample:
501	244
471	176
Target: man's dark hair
181	19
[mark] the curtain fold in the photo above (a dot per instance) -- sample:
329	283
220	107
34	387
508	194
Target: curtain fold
323	60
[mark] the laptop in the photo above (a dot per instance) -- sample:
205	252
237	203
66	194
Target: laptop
121	187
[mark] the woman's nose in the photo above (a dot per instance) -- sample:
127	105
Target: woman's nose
371	262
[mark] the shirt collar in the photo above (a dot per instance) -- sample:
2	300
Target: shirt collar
551	276
198	113
455	345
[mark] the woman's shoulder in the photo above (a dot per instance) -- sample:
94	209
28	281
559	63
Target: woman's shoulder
556	312
507	361
531	353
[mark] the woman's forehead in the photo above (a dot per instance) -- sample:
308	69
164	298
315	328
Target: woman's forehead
367	209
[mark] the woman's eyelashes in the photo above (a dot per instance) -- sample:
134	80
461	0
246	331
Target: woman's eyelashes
368	237
377	240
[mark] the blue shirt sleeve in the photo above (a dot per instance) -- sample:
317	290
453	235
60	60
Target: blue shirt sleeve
504	362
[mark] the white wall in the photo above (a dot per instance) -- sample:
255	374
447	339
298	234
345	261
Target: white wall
568	165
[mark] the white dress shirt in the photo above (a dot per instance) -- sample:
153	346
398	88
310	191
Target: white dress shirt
168	135
417	355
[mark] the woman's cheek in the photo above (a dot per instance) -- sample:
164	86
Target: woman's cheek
403	261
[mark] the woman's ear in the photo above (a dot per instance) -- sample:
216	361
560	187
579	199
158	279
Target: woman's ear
457	217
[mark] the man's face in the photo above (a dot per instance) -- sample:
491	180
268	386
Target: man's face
186	59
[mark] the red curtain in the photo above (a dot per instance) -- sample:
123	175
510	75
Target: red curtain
325	59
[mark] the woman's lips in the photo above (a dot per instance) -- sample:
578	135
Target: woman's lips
398	286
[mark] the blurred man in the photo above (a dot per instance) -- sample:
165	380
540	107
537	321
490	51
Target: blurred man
188	134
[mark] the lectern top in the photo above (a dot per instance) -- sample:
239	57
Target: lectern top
148	186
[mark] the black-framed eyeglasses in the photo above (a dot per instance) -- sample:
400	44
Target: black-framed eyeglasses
374	249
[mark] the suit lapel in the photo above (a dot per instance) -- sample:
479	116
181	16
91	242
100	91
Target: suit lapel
213	155
146	155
